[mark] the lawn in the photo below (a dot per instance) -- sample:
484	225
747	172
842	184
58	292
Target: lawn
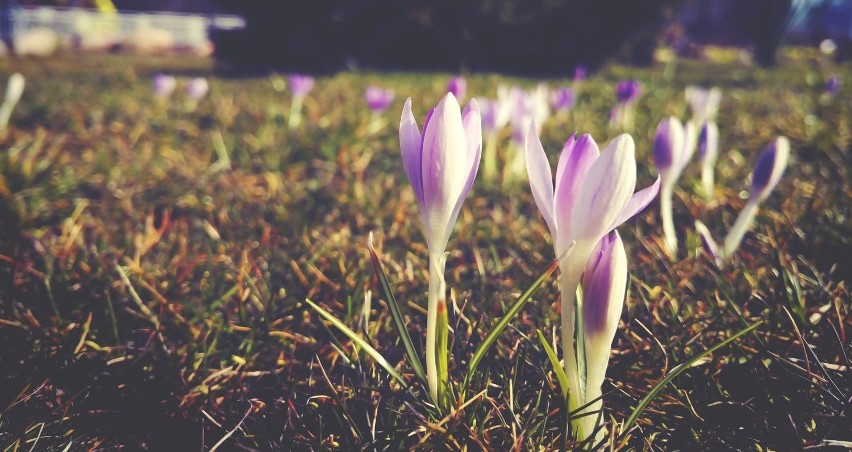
155	262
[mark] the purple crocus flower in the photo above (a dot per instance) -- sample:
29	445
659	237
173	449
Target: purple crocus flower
441	165
197	88
301	84
457	86
833	84
164	85
627	91
378	98
604	287
670	149
766	175
579	73
563	99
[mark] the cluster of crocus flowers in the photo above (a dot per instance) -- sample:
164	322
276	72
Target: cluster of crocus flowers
300	86
593	194
441	165
705	105
627	92
766	175
14	91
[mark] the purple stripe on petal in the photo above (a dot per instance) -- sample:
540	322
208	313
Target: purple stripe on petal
578	156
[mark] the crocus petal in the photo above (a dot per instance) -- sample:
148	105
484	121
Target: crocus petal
578	156
607	188
637	202
769	168
444	167
410	143
472	122
690	142
668	143
605	266
541	180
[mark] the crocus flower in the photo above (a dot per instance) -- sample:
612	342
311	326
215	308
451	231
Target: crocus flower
562	99
703	102
378	98
441	165
528	106
495	116
669	158
164	85
300	85
768	171
197	88
833	84
579	73
604	287
708	151
592	196
457	86
627	92
14	91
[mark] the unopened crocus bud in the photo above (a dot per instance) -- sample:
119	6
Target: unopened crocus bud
627	91
300	84
604	287
457	86
197	88
708	151
378	98
669	150
164	85
562	99
769	169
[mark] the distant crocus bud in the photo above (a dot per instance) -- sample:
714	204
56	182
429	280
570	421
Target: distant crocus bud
197	88
669	149
14	88
457	86
604	287
562	99
627	91
301	84
703	102
708	151
164	85
833	84
768	171
378	98
769	168
579	73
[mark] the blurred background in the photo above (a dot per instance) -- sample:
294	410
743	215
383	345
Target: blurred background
524	37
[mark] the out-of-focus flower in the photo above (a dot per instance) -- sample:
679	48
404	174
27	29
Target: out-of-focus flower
592	196
669	158
703	102
708	152
441	165
197	88
527	106
833	84
378	98
457	86
579	73
14	91
301	84
627	91
563	99
604	287
164	85
766	175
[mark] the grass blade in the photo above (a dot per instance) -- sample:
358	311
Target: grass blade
554	361
634	416
358	340
483	348
398	320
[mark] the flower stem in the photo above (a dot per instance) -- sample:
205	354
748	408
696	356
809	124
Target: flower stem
707	180
295	112
489	157
741	226
669	236
569	280
437	331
